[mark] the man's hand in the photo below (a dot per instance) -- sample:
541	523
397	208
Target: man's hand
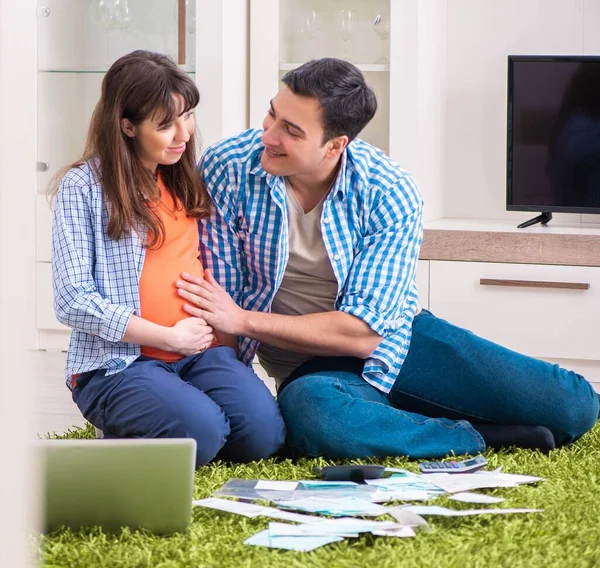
208	300
189	336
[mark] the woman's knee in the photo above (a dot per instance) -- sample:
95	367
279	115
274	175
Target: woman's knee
259	433
208	427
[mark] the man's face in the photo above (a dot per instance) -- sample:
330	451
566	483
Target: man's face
293	137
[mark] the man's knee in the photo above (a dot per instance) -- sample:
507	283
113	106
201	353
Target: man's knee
577	414
306	408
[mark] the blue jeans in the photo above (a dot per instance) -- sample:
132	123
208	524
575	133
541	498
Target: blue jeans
211	397
449	379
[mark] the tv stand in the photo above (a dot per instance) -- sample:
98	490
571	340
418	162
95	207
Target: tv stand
543	218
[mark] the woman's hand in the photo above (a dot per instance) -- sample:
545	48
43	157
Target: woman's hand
209	301
190	336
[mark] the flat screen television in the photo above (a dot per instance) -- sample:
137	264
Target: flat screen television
553	141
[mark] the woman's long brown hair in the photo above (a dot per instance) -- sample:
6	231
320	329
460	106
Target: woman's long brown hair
140	86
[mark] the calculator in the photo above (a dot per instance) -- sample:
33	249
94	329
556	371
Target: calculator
466	466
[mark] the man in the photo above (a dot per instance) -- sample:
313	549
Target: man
312	248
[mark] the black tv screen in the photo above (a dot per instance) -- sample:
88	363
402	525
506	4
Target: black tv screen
553	157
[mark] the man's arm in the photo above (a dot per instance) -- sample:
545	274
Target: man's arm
219	243
325	333
376	299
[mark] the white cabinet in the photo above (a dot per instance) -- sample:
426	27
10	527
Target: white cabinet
406	70
77	41
544	311
548	312
423	283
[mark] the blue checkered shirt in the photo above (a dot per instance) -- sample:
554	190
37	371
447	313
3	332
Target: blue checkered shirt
95	278
372	229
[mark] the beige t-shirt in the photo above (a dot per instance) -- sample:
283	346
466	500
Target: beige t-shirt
308	286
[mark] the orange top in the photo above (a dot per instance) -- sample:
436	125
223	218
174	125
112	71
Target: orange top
159	301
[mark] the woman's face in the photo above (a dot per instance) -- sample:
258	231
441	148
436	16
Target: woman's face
164	145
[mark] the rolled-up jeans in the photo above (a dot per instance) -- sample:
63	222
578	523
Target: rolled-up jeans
449	379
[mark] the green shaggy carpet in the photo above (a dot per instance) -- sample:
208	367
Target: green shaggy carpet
566	535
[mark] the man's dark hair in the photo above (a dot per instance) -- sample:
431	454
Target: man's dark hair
347	102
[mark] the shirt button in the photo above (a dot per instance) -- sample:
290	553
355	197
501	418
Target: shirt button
336	257
326	219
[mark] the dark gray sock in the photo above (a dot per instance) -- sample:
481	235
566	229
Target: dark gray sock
498	436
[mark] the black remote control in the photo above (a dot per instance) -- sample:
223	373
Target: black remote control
356	473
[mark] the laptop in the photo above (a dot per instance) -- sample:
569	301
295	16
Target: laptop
136	483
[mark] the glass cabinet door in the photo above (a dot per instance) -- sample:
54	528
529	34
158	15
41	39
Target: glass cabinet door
77	41
399	45
356	30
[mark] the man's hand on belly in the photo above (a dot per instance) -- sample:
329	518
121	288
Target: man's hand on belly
209	301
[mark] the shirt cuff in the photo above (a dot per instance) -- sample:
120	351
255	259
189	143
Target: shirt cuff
369	316
116	319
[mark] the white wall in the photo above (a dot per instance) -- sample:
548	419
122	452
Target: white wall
17	261
481	34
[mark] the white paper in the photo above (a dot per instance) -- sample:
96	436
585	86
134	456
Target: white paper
245	509
475	498
513	479
276	485
399	470
458	482
249	510
290	516
411	495
444	512
322	483
409	518
400	532
351	524
316	529
387	481
301	543
342	507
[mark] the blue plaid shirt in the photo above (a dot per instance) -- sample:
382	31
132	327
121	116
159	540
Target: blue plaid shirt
372	229
95	278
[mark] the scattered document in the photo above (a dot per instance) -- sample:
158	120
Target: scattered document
410	495
343	501
318	529
300	543
444	512
249	510
315	484
400	532
276	485
275	491
346	507
459	482
409	518
237	507
346	524
475	498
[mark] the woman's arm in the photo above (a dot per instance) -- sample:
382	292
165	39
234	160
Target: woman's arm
77	302
187	336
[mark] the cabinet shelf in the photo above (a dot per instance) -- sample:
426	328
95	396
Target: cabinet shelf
82	71
365	67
